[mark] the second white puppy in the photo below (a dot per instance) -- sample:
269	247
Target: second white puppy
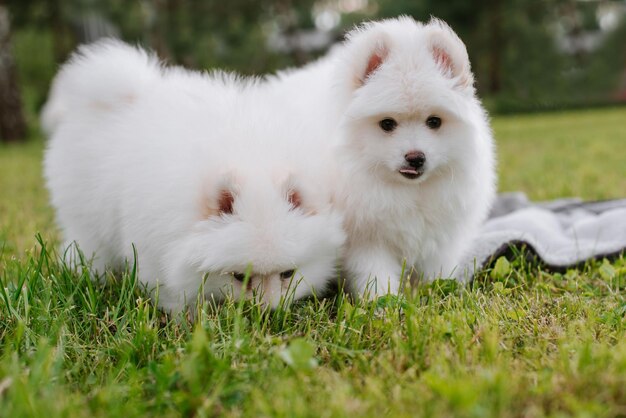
199	172
412	145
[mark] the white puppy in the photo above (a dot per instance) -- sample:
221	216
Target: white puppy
199	172
412	145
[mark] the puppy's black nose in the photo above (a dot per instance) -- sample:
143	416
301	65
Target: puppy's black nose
416	159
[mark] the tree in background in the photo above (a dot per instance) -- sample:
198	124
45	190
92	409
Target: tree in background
230	35
12	123
516	46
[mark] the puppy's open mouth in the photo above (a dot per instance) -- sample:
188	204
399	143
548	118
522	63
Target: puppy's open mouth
410	172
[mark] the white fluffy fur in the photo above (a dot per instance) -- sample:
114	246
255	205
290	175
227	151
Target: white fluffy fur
424	224
140	155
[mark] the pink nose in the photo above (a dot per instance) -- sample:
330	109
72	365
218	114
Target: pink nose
416	159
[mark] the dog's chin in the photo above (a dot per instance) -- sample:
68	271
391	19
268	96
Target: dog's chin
411	173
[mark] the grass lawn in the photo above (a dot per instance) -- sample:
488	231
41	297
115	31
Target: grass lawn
519	343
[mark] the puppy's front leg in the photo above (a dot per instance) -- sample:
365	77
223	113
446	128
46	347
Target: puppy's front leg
372	272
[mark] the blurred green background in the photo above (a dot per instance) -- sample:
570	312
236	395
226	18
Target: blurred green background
527	54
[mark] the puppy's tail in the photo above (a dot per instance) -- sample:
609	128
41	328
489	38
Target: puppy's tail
98	78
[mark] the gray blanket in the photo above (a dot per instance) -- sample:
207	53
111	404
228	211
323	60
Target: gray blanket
561	234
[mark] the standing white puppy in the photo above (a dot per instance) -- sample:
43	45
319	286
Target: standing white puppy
412	145
201	173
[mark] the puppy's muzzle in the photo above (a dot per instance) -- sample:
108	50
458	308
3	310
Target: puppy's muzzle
415	164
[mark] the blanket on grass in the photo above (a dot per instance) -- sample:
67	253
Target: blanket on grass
560	234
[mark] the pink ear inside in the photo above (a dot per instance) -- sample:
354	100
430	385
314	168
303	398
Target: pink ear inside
443	60
225	202
294	199
372	65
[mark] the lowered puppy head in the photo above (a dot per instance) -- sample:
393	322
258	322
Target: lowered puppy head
261	237
411	112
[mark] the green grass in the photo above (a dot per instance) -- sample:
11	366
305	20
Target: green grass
519	343
551	155
23	198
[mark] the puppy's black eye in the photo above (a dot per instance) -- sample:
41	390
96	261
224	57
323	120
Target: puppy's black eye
240	277
287	274
433	122
388	124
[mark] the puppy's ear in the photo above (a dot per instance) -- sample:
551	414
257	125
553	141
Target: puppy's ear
368	48
297	199
219	199
376	58
294	198
218	204
225	202
449	53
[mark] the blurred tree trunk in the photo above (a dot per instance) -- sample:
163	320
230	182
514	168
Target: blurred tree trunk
497	46
12	123
155	14
60	36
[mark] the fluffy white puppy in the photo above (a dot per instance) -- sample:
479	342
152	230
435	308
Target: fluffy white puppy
413	148
199	172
